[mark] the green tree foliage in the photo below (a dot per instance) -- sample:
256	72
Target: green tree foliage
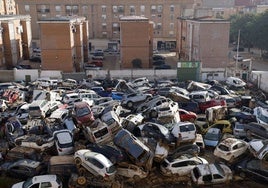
253	30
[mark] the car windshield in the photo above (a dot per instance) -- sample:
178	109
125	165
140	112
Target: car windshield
223	147
211	136
82	111
111	169
27	183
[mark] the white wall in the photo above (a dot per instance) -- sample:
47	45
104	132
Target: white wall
50	74
19	74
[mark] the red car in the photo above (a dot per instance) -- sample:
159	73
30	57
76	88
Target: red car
83	113
214	102
187	115
97	63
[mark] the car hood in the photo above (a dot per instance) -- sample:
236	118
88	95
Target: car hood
18	185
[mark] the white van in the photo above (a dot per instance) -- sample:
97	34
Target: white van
39	108
184	132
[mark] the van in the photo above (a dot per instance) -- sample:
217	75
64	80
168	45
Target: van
199	96
39	108
98	132
63	166
112	120
184	132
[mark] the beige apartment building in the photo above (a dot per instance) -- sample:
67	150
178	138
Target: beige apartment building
64	43
15	39
204	40
135	41
104	16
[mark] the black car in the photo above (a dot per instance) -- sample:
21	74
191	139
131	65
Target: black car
191	149
35	59
112	153
23	168
159	62
158	57
254	169
154	130
163	66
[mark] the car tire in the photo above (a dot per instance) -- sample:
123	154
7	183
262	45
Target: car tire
82	171
130	104
81	180
78	161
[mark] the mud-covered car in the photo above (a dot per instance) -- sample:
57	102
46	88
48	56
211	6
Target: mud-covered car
23	168
95	163
138	152
131	171
210	174
259	149
192	149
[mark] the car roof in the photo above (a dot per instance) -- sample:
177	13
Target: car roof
43	178
206	169
27	162
230	141
214	130
101	158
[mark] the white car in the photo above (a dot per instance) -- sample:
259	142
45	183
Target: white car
230	149
259	148
95	163
238	58
261	115
64	142
40	181
130	99
184	131
180	166
209	174
169	110
70	97
131	171
234	81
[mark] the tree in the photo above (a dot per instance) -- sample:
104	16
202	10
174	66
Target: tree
137	63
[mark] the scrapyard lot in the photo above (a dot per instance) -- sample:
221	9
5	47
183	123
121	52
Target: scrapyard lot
114	142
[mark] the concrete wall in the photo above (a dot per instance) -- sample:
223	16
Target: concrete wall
19	74
6	75
51	74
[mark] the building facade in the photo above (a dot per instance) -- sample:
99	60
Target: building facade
204	40
104	15
63	43
15	39
135	45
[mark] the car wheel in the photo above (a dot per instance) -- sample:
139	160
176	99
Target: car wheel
81	180
153	114
77	161
82	171
129	104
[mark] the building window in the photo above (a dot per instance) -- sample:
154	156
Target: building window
159	26
71	9
171	16
103	9
159	8
153	16
121	9
159	15
103	17
104	26
27	8
84	9
104	34
171	25
171	8
132	10
43	9
142	9
171	33
116	26
115	9
58	8
153	9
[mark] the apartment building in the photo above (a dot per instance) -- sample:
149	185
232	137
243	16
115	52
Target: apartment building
135	41
15	39
205	40
64	43
104	16
7	7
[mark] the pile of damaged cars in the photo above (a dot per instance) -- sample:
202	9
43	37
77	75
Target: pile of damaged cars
67	134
